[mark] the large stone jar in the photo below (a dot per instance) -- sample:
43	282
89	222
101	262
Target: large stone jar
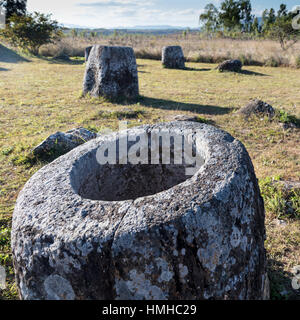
85	230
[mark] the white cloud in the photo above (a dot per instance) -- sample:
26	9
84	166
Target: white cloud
113	13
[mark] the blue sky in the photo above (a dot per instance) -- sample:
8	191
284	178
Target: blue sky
128	13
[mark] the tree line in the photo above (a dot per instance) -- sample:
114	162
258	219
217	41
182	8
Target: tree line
236	17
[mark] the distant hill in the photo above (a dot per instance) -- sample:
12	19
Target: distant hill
154	28
163	29
74	26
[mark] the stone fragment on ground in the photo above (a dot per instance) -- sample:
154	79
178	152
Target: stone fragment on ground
60	143
280	223
257	107
288	126
62	57
288	185
183	117
230	65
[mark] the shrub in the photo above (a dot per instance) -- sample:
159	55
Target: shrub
283	31
148	54
272	62
285	117
247	60
32	31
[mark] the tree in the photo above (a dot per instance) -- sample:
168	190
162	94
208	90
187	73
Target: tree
268	18
230	15
210	18
74	33
236	14
115	34
265	16
245	14
282	12
282	29
272	16
14	7
93	34
255	28
32	31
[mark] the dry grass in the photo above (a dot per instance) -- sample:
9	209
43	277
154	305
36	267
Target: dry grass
40	97
196	49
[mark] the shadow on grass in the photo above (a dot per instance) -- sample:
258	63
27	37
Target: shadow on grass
3	69
245	72
9	56
52	60
195	69
70	62
141	66
281	282
174	105
253	73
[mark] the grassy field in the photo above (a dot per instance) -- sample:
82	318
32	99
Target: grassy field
39	97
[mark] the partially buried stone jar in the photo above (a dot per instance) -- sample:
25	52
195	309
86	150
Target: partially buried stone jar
230	65
111	72
166	230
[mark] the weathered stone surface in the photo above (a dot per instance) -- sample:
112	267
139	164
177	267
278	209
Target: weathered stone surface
280	223
230	65
172	57
61	143
257	107
111	72
87	52
85	231
288	185
288	126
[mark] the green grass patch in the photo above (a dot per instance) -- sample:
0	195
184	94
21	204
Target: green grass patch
279	201
284	117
